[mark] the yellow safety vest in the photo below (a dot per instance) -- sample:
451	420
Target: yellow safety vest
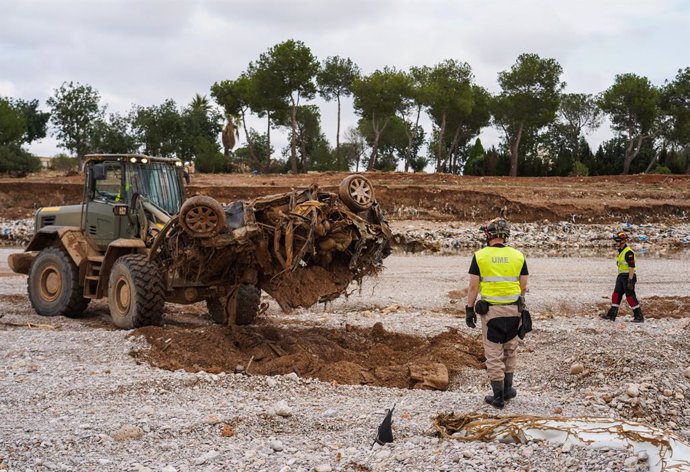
500	267
623	266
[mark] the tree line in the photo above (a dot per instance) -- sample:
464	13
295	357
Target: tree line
543	128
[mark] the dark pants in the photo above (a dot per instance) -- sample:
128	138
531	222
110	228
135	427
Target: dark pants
622	289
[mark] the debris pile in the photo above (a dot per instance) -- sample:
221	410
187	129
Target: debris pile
16	232
543	235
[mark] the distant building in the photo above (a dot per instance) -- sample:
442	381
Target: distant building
45	162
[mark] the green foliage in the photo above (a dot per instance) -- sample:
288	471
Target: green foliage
63	163
74	111
12	124
284	75
112	135
158	128
579	170
200	121
529	99
632	104
378	98
20	123
336	77
475	161
675	105
14	159
335	80
35	121
661	170
209	158
419	163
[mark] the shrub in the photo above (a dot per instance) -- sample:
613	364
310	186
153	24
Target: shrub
63	163
661	170
579	170
14	159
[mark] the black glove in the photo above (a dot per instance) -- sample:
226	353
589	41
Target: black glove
631	284
470	317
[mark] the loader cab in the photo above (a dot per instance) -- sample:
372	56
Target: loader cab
117	186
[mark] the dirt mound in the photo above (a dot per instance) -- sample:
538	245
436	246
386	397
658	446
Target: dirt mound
655	307
352	355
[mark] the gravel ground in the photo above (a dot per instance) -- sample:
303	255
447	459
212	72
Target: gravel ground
72	398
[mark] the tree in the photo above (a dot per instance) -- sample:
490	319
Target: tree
378	97
675	107
632	104
529	98
466	125
199	121
112	135
236	97
579	113
419	77
475	161
159	128
335	80
12	124
447	92
18	126
354	147
287	71
35	121
74	111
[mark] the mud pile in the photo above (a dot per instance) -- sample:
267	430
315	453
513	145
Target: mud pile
654	307
353	355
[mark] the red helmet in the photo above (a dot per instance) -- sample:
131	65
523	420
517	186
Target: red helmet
496	228
619	236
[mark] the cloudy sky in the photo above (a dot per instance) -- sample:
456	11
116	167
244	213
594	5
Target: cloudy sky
145	51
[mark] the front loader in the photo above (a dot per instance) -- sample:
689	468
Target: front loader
135	240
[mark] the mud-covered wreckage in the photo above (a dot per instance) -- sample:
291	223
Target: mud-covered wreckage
301	247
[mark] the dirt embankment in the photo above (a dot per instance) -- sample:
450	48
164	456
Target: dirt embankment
638	199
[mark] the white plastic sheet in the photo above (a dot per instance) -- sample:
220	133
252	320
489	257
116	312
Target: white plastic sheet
665	451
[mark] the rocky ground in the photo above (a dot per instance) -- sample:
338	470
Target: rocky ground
76	394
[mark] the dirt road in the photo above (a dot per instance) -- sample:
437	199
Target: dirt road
78	395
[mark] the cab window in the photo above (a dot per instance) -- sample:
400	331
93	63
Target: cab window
108	184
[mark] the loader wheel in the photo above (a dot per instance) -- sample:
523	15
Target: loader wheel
202	217
247	301
135	292
357	193
54	284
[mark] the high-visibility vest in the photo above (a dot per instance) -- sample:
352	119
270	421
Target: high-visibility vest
623	266
500	267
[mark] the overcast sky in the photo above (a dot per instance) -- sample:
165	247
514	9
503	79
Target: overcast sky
143	51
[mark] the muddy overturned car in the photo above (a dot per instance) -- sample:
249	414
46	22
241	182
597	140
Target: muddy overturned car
135	241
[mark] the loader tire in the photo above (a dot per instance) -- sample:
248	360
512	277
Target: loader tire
53	284
202	217
357	193
135	292
248	301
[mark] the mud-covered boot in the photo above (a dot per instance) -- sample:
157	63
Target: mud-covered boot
495	400
612	313
508	390
638	317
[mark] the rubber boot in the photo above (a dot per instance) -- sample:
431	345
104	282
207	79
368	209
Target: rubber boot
496	400
508	390
638	317
612	313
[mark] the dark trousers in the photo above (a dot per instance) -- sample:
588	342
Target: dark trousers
622	289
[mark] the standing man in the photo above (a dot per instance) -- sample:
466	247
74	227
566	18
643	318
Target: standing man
626	280
498	274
